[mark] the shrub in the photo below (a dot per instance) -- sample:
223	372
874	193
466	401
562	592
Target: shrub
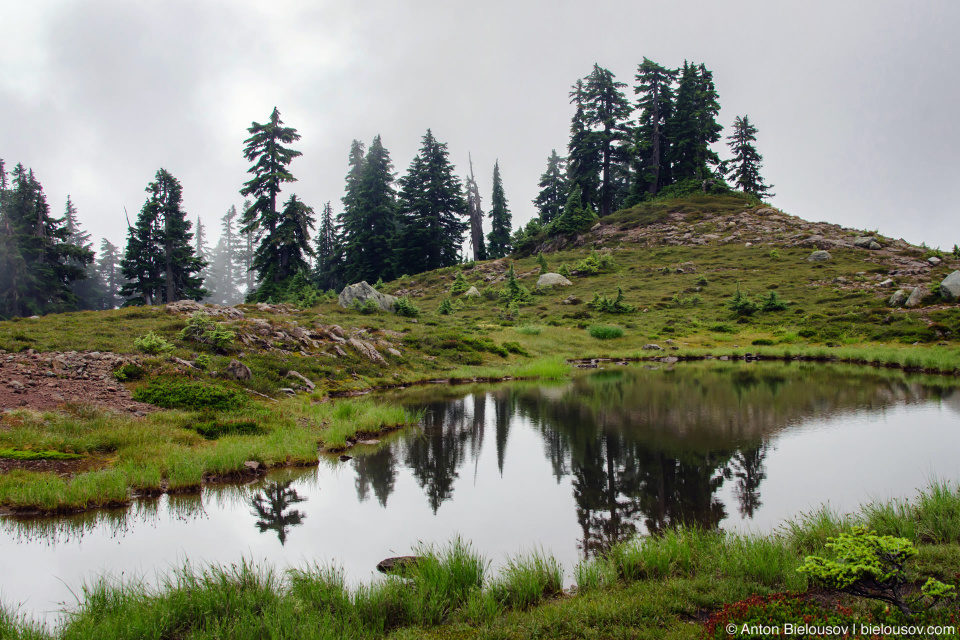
742	305
702	281
564	271
129	373
514	347
774	254
596	263
153	344
530	330
203	361
871	566
366	308
200	328
460	284
212	429
605	305
188	394
601	332
762	342
542	262
445	307
773	302
406	308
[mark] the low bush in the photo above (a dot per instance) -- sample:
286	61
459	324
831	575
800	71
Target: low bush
596	263
152	344
406	308
201	329
606	305
171	393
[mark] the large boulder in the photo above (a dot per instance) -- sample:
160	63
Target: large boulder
867	242
238	371
362	292
472	292
819	256
950	287
918	294
553	280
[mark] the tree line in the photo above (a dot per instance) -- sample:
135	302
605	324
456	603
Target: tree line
620	153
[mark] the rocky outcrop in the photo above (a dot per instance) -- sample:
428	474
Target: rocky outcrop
189	307
366	349
950	287
553	280
867	242
362	293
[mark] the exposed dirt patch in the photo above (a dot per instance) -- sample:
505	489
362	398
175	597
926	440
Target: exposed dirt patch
46	381
63	468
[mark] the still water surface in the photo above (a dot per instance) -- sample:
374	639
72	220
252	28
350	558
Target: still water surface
569	467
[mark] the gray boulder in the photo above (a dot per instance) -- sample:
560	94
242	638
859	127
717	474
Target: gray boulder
472	292
898	298
950	287
934	261
553	280
915	296
238	371
652	347
867	242
819	256
362	292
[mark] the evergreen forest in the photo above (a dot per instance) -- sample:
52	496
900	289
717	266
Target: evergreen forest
626	146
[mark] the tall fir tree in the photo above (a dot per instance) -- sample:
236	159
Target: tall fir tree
109	276
159	263
655	88
744	168
327	252
266	149
248	241
498	240
431	208
553	189
369	220
202	251
583	153
575	217
606	111
87	290
693	127
37	263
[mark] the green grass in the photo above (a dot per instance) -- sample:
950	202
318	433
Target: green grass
602	332
18	454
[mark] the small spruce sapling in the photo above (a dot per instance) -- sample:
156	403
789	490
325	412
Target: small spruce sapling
542	262
460	284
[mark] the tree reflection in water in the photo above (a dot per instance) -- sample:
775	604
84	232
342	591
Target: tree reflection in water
646	450
271	507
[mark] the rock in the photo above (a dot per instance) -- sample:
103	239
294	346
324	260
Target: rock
397	565
253	465
886	284
915	297
595	227
238	371
362	292
934	261
553	280
764	212
572	300
950	287
365	348
652	347
867	242
306	382
394	352
287	390
898	298
819	256
472	292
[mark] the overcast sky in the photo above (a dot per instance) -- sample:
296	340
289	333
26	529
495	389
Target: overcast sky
855	100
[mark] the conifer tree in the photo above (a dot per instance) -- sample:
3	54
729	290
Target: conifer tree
37	264
109	276
498	245
744	168
692	127
327	251
431	208
655	88
265	149
283	252
583	157
87	289
369	220
247	247
606	110
553	189
575	216
159	263
202	251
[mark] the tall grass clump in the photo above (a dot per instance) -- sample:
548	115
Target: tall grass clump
809	532
528	580
544	368
529	330
17	626
349	418
938	513
444	580
603	332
